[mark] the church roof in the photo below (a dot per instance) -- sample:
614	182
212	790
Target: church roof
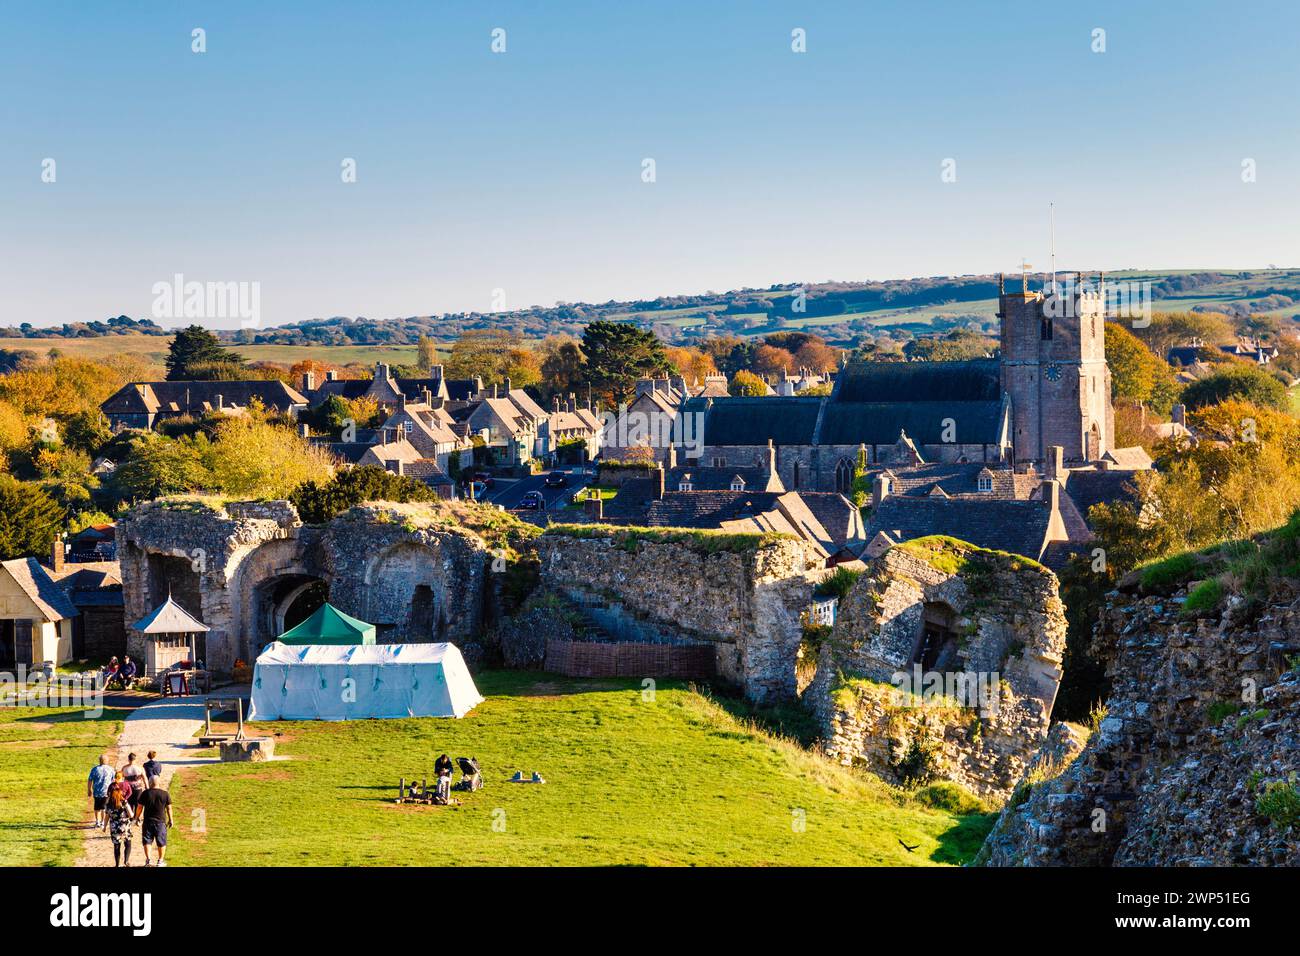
755	421
879	423
977	380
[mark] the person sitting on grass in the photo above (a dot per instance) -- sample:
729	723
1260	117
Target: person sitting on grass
119	827
98	784
128	672
155	809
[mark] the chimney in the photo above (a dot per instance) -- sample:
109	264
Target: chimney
771	458
56	554
672	457
435	371
428	397
879	489
494	390
659	483
1055	463
555	405
381	370
401	399
596	507
309	381
221	401
383	437
399	467
573	402
1178	414
304	430
508	389
1052	494
332	376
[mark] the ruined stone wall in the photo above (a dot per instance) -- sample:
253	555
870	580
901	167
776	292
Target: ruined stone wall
982	708
745	601
1203	713
404	568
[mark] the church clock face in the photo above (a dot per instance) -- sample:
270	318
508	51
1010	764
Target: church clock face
1053	373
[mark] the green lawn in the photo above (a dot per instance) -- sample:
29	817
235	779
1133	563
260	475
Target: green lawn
677	781
45	755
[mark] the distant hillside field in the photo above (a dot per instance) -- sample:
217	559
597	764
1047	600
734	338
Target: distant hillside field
153	348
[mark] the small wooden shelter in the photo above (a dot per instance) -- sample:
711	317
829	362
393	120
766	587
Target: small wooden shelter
170	634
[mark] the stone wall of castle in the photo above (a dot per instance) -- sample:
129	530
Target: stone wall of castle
978	704
1203	717
235	565
746	600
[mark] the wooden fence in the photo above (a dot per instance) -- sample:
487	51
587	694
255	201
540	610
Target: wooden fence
590	659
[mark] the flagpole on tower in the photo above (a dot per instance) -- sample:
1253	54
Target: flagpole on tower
1052	212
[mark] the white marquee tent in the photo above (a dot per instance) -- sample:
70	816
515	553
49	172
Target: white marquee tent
308	682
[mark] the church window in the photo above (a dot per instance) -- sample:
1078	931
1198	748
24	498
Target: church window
1045	330
844	476
795	481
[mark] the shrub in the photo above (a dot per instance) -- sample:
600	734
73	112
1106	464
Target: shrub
1206	596
1171	572
1280	802
1221	709
916	767
838	583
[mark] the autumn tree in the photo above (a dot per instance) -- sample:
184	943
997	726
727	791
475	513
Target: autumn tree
745	383
770	360
1137	375
695	365
1236	380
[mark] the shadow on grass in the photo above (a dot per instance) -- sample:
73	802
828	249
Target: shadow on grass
959	843
791	720
108	713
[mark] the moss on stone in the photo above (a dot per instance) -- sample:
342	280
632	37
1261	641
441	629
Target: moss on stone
630	537
953	556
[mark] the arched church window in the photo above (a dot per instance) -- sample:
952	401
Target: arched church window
1045	329
844	476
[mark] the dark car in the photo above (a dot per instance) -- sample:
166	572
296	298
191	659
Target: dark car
532	501
486	478
556	479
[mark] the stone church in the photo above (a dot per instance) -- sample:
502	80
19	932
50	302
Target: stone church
1048	389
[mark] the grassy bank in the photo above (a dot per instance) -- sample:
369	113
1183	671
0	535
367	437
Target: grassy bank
45	756
673	781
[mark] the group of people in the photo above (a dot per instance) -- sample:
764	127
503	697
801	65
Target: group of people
129	796
123	673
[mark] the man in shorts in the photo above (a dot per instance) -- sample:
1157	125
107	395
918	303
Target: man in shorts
97	784
155	810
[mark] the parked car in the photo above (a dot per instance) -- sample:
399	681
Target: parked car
477	489
486	478
532	501
556	479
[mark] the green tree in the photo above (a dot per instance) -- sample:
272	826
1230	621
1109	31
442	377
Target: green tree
29	519
619	353
317	502
1236	380
195	350
158	466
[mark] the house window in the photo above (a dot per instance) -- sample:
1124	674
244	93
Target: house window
719	462
737	484
685	486
985	483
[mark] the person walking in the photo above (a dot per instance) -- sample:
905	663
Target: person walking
120	825
133	774
155	810
152	766
97	787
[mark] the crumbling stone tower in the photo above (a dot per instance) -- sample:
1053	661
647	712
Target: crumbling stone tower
1054	368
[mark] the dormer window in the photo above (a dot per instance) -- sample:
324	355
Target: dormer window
984	482
686	484
737	483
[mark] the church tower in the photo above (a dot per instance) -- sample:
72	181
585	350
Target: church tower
1054	369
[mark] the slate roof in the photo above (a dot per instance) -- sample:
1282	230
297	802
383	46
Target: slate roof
40	588
1016	526
977	380
169	618
879	423
461	389
719	479
1088	488
90	583
178	397
835	513
708	509
959	479
755	421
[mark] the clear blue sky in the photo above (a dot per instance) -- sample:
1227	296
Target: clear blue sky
522	171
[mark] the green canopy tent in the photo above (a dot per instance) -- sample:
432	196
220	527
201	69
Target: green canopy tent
329	625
